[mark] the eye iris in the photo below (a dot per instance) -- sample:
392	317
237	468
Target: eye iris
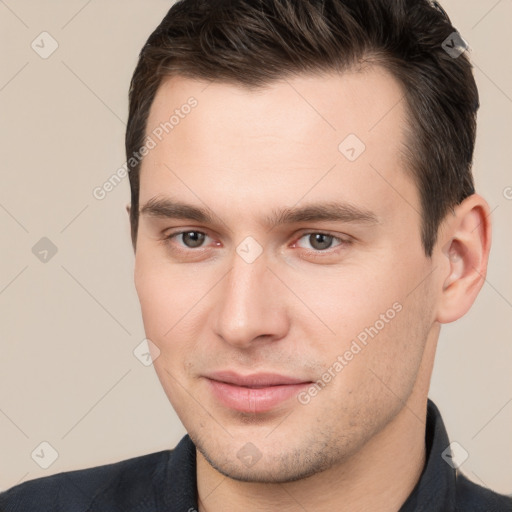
320	241
193	238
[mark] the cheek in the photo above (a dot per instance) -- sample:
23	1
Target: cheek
389	349
156	300
371	319
172	310
347	300
165	291
176	303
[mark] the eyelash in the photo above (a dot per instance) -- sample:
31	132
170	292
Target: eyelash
342	243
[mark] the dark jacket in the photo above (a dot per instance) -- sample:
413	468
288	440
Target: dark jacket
166	482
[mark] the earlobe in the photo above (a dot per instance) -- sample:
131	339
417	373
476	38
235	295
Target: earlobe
466	245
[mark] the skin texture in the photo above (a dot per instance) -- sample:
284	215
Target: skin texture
292	311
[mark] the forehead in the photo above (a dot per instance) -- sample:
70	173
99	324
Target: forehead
334	134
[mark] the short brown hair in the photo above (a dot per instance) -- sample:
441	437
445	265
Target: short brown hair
254	42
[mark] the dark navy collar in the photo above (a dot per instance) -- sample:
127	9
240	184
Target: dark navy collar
436	488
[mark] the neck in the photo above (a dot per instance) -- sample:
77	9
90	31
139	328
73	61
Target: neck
379	477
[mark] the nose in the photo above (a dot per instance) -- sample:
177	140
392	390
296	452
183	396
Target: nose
251	308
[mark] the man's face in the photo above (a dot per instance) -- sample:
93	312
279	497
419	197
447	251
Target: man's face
251	307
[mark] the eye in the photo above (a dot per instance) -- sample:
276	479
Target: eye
319	241
189	239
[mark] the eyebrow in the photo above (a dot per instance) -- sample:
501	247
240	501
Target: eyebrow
329	211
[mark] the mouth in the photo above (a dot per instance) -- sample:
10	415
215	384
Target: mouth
255	393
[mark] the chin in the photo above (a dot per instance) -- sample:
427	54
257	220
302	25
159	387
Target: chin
287	466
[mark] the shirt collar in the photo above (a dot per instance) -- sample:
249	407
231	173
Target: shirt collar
436	488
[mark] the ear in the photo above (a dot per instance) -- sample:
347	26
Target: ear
464	253
128	208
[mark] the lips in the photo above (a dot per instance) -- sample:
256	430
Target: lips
255	393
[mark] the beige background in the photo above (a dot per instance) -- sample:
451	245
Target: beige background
68	375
